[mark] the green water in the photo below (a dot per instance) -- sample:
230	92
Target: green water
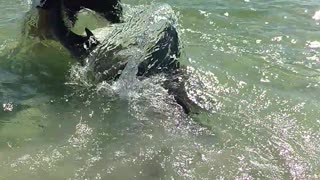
252	65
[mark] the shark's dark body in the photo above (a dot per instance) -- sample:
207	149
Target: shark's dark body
42	28
109	57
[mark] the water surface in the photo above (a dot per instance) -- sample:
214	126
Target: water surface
254	66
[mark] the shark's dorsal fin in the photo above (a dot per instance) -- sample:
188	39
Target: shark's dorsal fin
88	32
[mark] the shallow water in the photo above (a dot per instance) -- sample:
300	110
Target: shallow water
254	66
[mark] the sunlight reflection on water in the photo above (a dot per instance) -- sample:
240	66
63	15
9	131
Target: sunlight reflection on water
258	81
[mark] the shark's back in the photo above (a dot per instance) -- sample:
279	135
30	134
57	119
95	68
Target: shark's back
148	38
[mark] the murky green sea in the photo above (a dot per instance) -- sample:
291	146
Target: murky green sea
253	64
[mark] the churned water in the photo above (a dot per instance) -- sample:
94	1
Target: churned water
253	65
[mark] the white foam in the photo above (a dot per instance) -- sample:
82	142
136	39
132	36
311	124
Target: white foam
313	44
316	15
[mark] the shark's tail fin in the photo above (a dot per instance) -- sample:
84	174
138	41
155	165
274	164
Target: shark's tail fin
175	84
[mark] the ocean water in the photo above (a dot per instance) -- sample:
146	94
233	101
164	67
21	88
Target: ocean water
253	66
